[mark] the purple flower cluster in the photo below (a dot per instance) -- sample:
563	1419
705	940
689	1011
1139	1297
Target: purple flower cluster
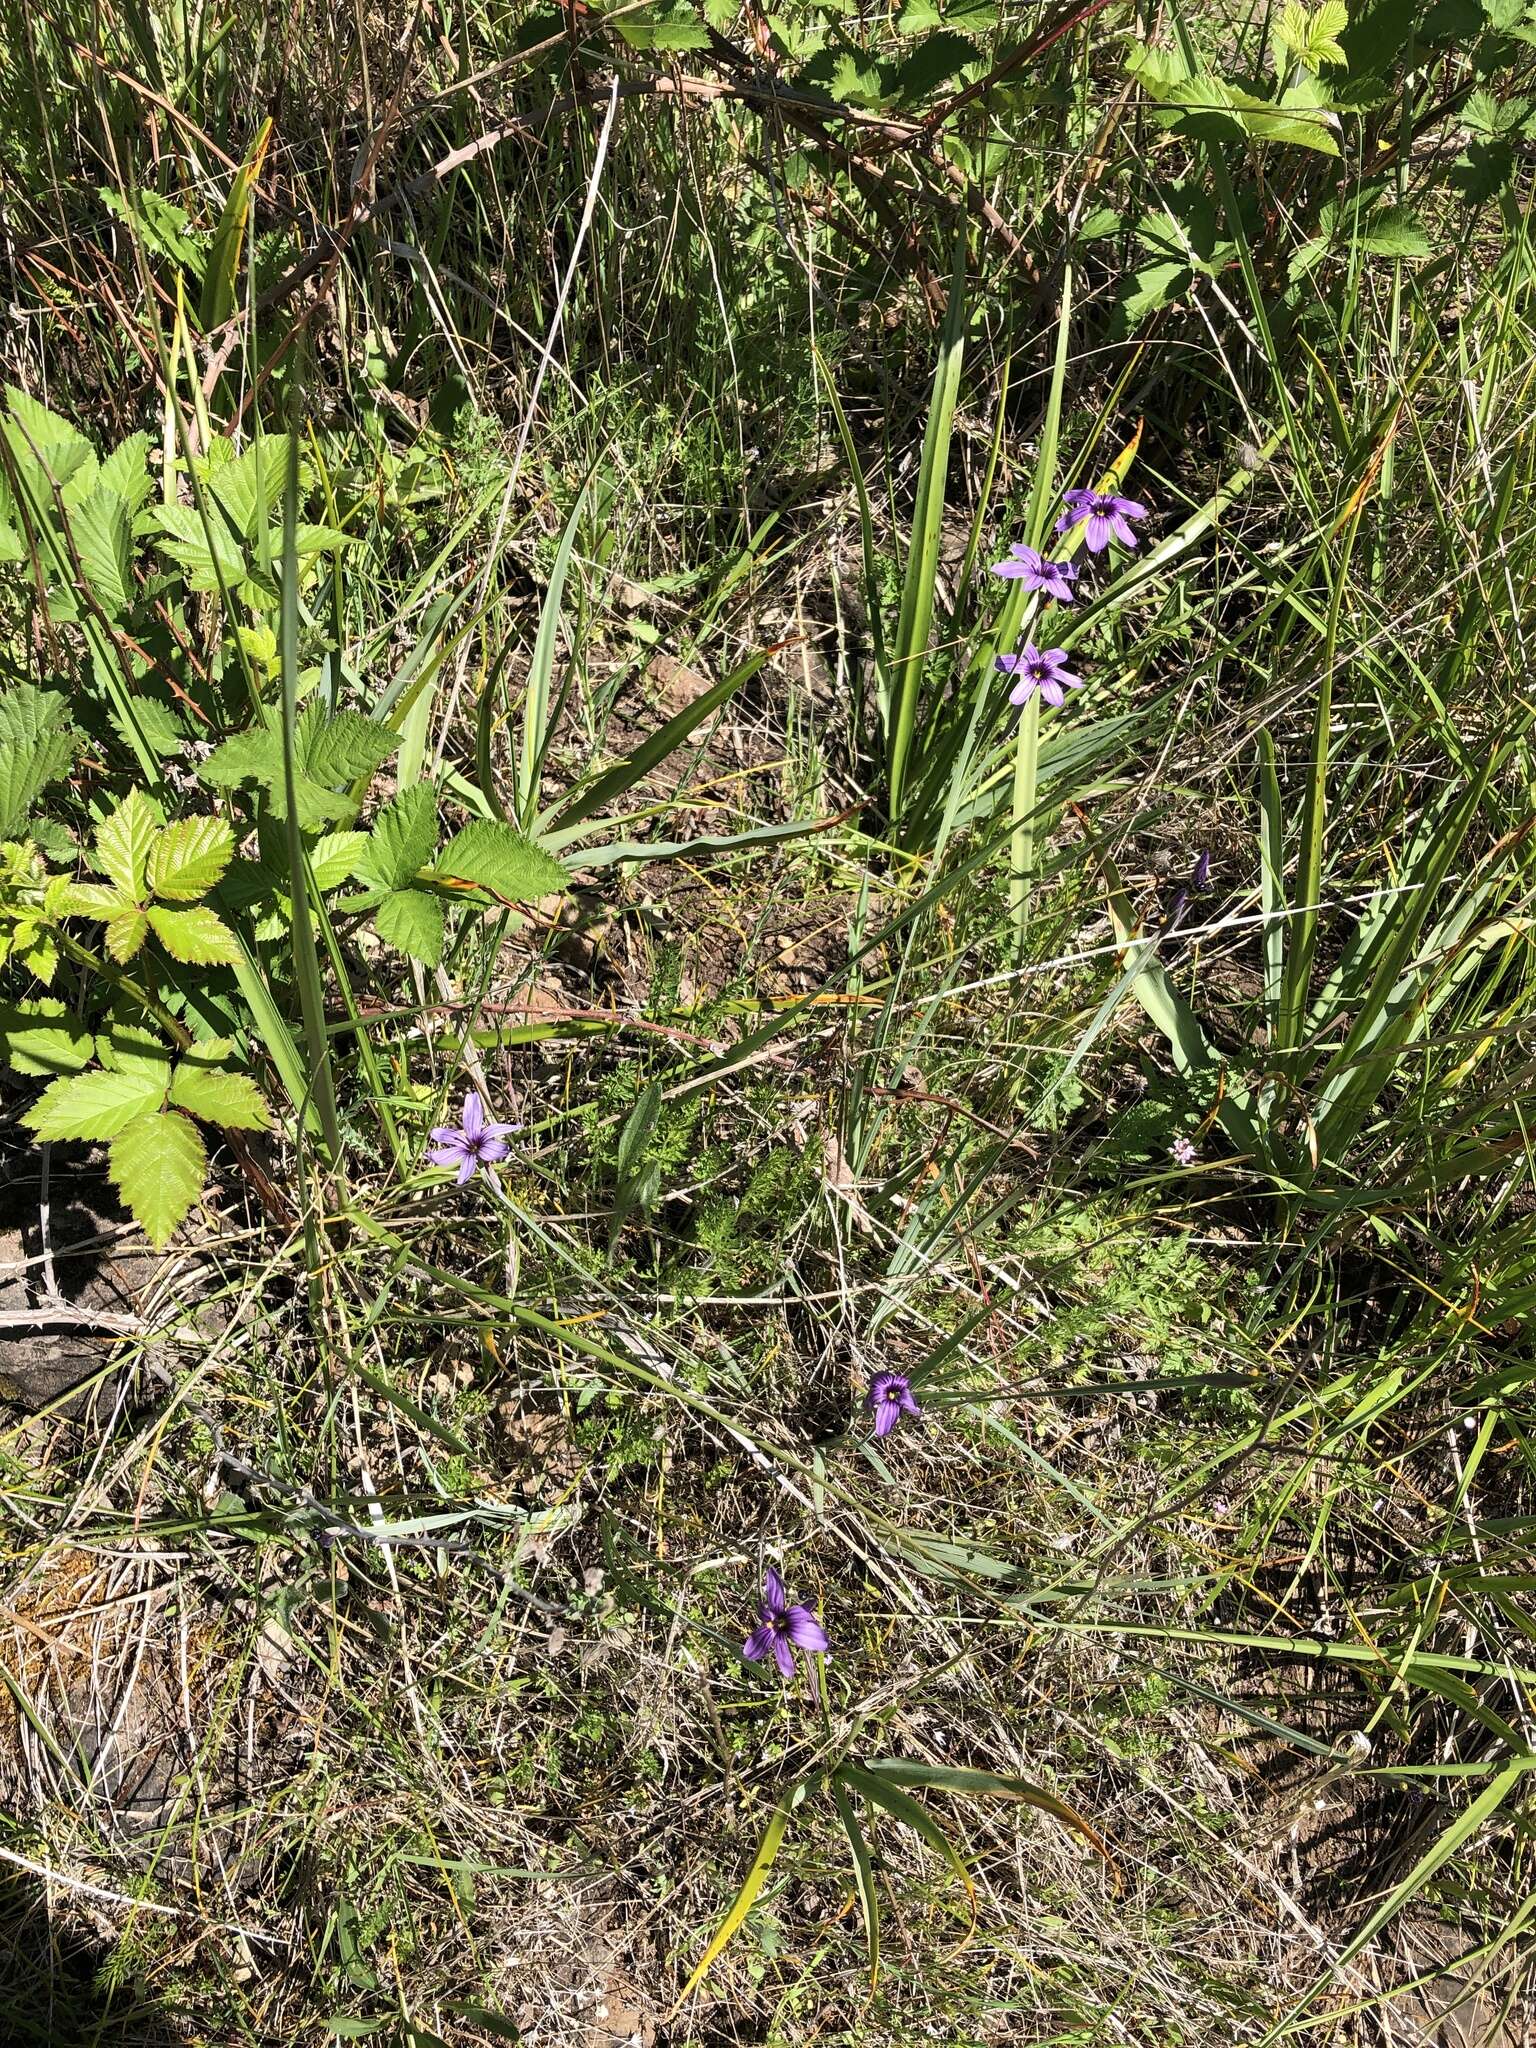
478	1144
1104	516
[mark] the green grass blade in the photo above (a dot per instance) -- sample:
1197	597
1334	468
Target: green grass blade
306	961
741	1905
863	1877
636	766
536	702
879	1790
986	1785
915	620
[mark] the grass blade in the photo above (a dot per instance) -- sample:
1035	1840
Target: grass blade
741	1905
915	620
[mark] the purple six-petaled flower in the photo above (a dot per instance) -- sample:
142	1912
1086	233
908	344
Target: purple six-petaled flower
781	1626
475	1142
1028	566
1107	516
1042	669
890	1395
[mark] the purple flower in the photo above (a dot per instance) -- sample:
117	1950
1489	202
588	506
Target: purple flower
1201	878
1028	566
781	1626
473	1143
1183	1152
1106	515
1036	670
890	1395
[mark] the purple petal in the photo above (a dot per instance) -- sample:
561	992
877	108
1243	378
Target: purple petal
1067	521
805	1631
1121	531
908	1402
775	1599
1052	691
1131	508
1011	569
467	1169
474	1116
784	1657
1097	534
1022	691
1079	500
448	1147
491	1148
759	1643
886	1413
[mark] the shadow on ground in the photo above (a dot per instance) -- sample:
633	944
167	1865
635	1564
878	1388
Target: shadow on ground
53	1989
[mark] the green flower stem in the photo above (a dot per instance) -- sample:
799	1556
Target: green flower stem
1026	777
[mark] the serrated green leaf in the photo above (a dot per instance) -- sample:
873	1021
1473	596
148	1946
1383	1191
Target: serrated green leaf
200	937
248	757
344	747
155	723
1207	107
27	714
123	841
101	528
247	486
936	61
26	771
93	1105
412	921
219	1097
1147	291
403	837
670	27
37	435
158	1166
187	859
125	934
126	471
162	224
856	80
88	899
503	861
1395	231
42	1038
334	858
130	1046
37	746
209	557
